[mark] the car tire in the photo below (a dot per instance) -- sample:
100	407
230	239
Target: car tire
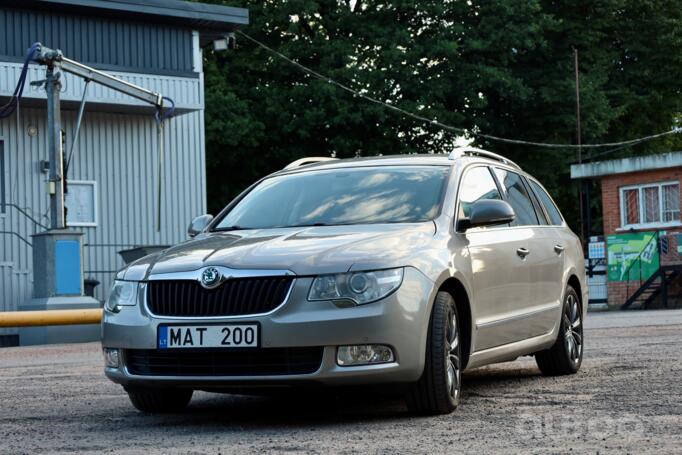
159	400
439	388
566	355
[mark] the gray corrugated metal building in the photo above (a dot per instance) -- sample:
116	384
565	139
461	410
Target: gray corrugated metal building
156	44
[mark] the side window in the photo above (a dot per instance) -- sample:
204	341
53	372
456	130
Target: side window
477	184
518	198
536	203
552	211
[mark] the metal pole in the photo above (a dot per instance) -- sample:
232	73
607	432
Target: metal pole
159	188
579	142
79	121
53	87
49	317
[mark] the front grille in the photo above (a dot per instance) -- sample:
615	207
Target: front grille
235	297
243	362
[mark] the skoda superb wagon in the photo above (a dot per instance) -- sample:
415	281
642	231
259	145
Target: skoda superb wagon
402	270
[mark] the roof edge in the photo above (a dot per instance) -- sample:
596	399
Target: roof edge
196	15
626	165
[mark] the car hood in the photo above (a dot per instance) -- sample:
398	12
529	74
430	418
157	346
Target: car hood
303	251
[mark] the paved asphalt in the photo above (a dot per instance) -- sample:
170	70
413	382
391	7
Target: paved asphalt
626	398
614	319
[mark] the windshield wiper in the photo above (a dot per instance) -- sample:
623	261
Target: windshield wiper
243	228
230	228
307	225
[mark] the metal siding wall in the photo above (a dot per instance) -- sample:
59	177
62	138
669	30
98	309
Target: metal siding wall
3	179
120	153
25	188
133	45
187	92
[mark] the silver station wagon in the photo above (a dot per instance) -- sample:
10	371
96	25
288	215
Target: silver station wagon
402	270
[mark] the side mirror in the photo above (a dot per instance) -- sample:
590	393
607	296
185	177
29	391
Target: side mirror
198	224
487	212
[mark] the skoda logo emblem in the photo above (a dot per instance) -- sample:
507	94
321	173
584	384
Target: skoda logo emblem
210	277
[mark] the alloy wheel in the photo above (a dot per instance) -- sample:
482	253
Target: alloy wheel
453	357
573	329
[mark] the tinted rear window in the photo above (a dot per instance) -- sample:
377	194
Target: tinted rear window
550	208
518	198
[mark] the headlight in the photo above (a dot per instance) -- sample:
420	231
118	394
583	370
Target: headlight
123	293
358	287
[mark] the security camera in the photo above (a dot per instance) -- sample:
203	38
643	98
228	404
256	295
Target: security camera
228	41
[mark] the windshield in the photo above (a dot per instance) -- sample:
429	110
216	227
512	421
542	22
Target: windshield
386	194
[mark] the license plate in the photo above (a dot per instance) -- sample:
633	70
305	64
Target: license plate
208	336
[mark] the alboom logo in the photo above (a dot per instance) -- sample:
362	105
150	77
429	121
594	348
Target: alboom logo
547	425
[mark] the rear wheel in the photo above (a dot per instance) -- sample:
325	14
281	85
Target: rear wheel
438	390
159	400
566	355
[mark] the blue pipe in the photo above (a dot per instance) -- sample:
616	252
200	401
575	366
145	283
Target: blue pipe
9	108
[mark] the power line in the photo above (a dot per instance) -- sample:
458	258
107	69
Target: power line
444	126
606	152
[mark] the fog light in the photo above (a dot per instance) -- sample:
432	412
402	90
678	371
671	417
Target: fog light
364	354
111	358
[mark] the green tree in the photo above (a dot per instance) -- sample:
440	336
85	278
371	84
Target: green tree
501	67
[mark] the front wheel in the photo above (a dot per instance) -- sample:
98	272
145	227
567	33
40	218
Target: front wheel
566	355
438	390
159	400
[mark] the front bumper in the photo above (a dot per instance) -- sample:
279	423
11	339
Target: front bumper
399	321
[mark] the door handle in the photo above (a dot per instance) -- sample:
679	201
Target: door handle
522	252
558	249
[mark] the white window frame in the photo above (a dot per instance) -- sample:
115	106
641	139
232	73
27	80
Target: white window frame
92	183
640	200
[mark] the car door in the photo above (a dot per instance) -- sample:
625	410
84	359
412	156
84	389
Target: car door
537	315
558	240
500	275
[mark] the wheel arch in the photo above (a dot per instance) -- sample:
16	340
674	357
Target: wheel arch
574	282
456	289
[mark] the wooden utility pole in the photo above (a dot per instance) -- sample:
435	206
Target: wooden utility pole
579	142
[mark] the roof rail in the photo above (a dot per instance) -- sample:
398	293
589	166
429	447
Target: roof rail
308	160
473	151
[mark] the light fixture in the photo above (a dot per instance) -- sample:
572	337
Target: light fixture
111	358
356	287
364	354
123	293
228	41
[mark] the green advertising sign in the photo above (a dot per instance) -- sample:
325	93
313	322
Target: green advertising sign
624	249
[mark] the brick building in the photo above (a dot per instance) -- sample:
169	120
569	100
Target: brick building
642	227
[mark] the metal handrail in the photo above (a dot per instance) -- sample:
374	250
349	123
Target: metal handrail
19	236
638	260
23	212
112	245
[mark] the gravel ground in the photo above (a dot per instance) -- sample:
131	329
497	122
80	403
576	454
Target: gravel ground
626	398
